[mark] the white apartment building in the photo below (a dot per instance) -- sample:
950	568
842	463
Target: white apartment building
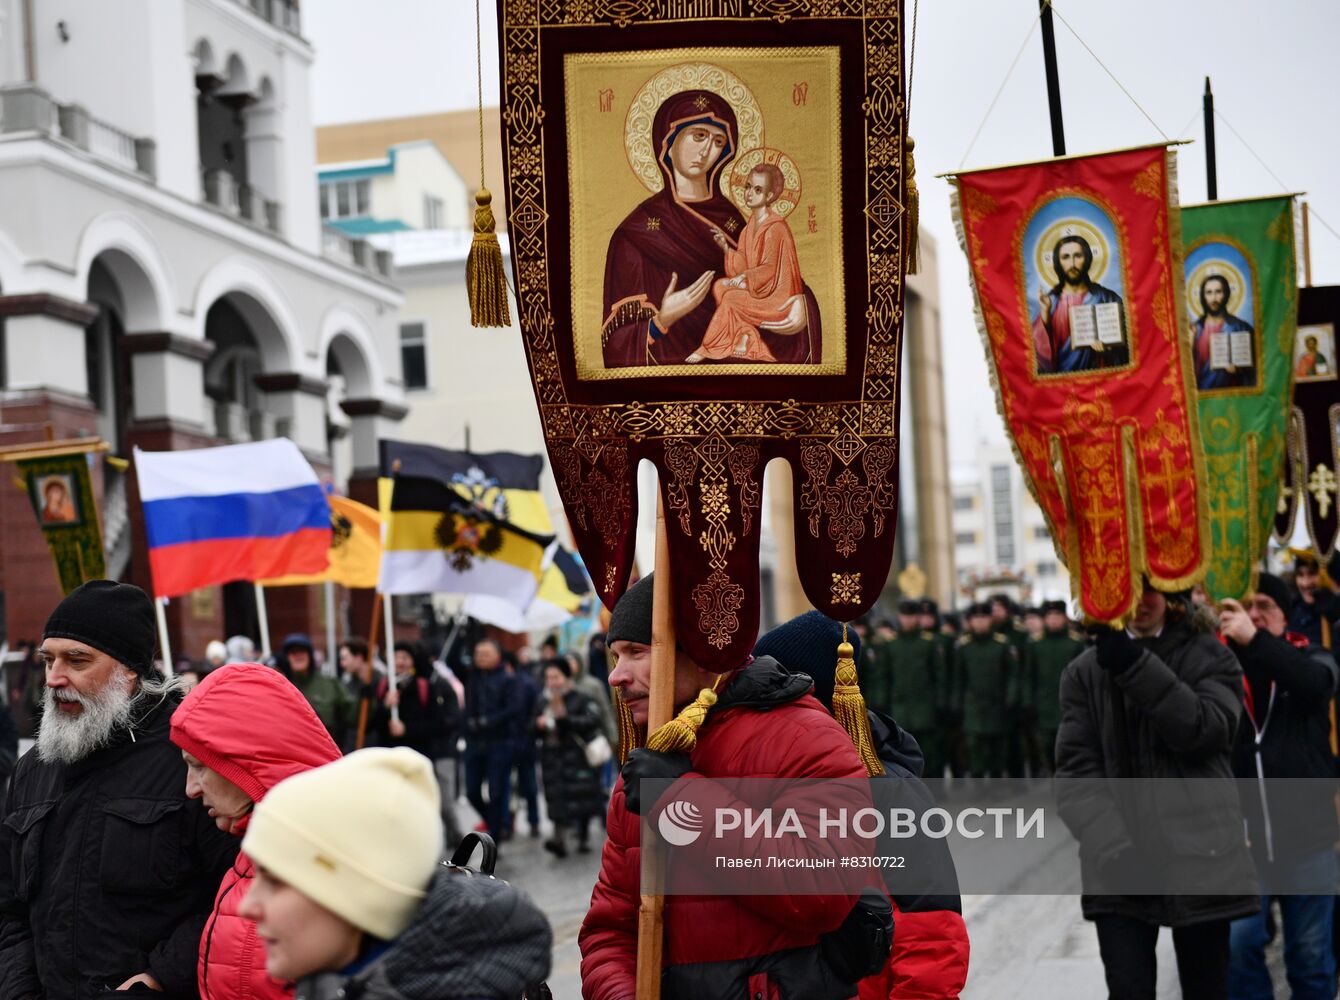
998	526
165	277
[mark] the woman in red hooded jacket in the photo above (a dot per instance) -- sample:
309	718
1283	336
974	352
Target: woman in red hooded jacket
243	730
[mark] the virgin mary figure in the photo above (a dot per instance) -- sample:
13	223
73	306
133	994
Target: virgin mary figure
663	258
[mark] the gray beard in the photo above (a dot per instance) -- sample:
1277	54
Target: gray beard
64	739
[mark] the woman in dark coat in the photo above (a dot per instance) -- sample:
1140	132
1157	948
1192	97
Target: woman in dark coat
566	720
1160	700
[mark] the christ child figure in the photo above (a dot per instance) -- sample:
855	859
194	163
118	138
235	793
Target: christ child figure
763	277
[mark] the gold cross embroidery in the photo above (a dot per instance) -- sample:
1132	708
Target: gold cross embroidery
1168	479
732	225
1222	514
653	224
700	103
1321	484
1282	507
1096	516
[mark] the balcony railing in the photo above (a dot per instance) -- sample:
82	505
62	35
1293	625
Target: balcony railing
355	252
26	108
242	201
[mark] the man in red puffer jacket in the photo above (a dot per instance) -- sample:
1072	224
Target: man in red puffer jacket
764	724
242	730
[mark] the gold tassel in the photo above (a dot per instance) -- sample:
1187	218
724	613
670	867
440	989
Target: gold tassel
680	734
911	207
484	276
849	708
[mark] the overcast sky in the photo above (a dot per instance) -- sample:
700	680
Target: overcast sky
1273	69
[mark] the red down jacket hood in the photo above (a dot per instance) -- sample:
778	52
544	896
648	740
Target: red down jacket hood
249	724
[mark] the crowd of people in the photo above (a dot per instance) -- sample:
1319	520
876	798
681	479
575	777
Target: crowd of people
279	829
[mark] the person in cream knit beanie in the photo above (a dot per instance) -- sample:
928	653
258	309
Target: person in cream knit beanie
361	836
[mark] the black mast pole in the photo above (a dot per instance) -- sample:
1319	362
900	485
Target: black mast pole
1053	78
1211	171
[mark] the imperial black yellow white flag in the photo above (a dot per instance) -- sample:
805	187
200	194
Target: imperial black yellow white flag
462	523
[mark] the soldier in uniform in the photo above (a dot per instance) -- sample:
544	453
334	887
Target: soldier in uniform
987	676
1045	659
951	712
1003	614
916	699
876	674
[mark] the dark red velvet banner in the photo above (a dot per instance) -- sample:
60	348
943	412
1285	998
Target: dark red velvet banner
706	233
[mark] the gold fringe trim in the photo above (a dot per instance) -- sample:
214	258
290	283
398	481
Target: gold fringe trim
911	208
485	279
631	735
849	708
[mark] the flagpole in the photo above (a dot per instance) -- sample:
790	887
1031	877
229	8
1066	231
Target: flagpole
660	709
1053	77
163	644
332	658
388	624
263	619
1211	166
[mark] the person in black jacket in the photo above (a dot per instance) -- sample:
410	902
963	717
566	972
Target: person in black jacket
1159	699
9	746
430	722
107	870
566	720
1291	827
491	709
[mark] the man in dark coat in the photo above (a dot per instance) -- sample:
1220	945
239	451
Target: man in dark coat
1158	699
1045	660
1313	611
107	870
492	707
1291	825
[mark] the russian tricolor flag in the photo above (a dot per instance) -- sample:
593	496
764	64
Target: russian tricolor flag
238	512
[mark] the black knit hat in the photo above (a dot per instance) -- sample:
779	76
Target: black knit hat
631	618
114	618
1274	588
808	645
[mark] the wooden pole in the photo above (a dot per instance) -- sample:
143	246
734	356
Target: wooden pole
660	710
1053	77
263	620
1307	250
164	646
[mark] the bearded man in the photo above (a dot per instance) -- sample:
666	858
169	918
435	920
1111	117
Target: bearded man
107	870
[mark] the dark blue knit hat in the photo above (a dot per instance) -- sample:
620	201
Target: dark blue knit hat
808	645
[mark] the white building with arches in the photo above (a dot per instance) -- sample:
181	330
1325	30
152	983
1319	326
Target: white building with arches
165	277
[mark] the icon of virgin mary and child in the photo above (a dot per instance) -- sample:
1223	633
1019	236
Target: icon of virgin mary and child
688	280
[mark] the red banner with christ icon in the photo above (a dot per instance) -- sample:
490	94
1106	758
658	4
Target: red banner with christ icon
1076	265
707	206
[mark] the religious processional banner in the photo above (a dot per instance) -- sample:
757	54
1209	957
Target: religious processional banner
1314	424
1241	300
705	205
61	491
1076	266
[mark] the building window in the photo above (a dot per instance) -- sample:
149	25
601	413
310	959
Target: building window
414	355
1040	533
433	212
965	503
1002	514
965	538
1046	569
346	199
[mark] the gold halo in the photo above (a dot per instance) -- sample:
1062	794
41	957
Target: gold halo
675	80
1102	253
1236	285
744	166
